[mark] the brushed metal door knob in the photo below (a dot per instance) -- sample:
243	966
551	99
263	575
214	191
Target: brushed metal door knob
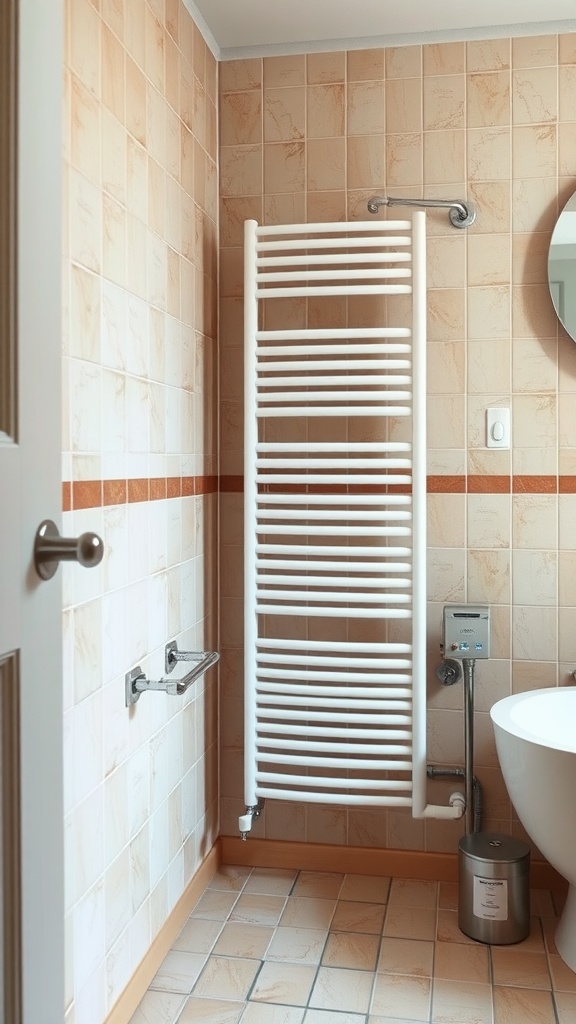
50	549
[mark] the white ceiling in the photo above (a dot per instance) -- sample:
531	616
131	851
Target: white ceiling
244	28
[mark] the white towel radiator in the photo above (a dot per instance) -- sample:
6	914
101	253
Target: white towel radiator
335	520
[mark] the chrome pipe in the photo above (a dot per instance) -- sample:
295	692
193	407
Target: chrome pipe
462	214
468	665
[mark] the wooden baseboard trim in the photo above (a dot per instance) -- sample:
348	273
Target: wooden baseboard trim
126	1006
440	867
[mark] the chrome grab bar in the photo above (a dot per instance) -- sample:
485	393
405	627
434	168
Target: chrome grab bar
462	213
136	683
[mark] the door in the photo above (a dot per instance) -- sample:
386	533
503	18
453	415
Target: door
31	863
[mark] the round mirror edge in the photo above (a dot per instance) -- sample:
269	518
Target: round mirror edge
562	277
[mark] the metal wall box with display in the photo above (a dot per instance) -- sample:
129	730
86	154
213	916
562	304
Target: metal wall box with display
466	631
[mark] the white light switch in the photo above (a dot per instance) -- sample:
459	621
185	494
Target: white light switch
498	428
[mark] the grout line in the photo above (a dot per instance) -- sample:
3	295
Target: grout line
378	953
433	976
491	983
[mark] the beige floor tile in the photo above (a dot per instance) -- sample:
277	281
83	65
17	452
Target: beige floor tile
563	979
565	1006
448	895
455	961
227	978
411	892
406	956
297	945
179	971
247	940
394	1020
459	1002
541	903
410	922
252	908
358	917
307	912
214	905
401	996
230	877
365	889
549	926
526	1005
158	1008
340	989
323	884
351	949
327	1017
283	983
373	939
198	935
266	1013
271	881
447	929
210	1011
523	970
534	942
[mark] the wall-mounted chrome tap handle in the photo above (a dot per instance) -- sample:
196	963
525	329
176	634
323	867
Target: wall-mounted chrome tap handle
449	671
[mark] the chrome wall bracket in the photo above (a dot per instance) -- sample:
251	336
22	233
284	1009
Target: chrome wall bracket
136	683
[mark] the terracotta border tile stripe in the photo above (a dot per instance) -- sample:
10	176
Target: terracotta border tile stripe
391	489
206	484
115	492
535	484
86	494
174	487
138	490
446	484
567	485
158	488
81	494
232	484
477	483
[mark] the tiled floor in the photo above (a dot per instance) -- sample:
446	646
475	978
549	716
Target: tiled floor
271	946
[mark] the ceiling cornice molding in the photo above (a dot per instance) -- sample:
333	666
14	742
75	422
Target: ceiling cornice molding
201	23
539	28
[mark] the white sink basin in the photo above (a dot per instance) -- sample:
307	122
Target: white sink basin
546	716
536	742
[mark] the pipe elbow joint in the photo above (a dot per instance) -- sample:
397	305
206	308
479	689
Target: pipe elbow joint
458	802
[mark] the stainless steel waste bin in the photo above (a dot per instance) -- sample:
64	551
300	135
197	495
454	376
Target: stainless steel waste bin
494	888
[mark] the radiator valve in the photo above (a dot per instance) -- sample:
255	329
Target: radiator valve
245	820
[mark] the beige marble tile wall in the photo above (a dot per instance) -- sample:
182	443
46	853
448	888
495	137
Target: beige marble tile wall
312	137
139	467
